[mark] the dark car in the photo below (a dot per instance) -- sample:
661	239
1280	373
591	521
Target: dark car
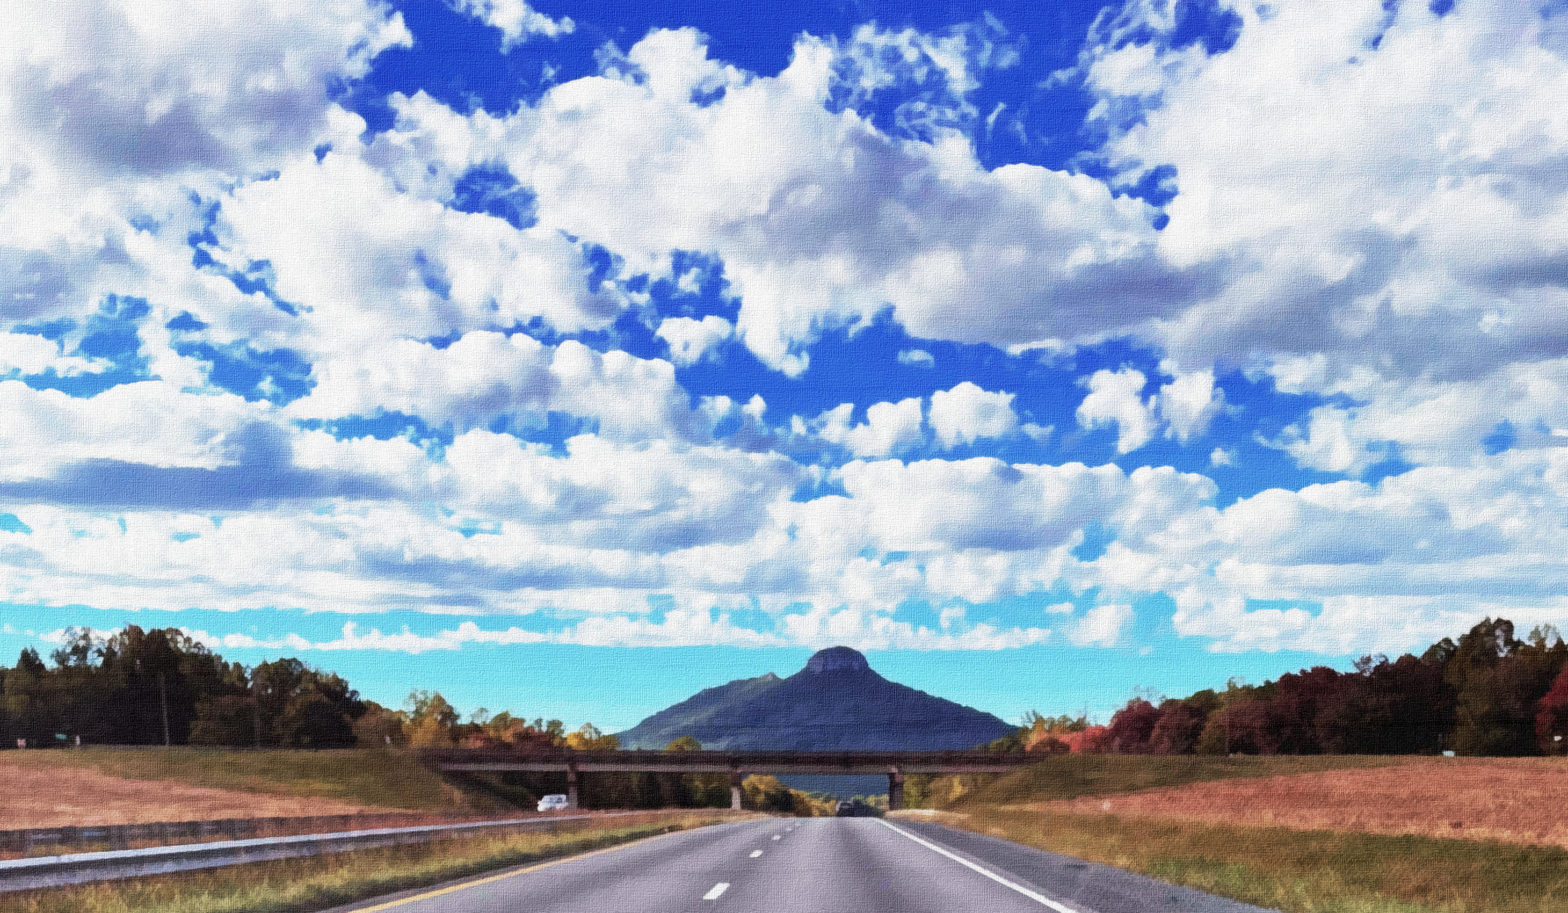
854	808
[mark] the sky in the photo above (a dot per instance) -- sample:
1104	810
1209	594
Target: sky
569	357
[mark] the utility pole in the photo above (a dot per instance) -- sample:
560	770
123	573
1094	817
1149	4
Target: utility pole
163	703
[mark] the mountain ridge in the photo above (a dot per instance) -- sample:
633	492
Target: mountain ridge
837	701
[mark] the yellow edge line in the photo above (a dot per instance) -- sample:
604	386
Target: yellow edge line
453	889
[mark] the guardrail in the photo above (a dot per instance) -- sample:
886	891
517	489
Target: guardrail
77	868
123	836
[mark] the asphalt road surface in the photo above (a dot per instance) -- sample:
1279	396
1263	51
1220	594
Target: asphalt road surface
811	865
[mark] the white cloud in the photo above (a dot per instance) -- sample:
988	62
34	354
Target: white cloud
821	628
888	428
29	354
119	112
1189	403
515	18
1101	626
370	263
123	86
1327	443
1382	226
485	375
802	226
1116	398
967	413
150	423
690	339
1384	183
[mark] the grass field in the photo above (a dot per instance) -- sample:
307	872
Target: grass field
1299	871
1511	800
1072	776
295	885
1301	834
371	779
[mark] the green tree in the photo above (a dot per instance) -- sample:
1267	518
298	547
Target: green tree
1498	681
432	720
301	707
25	701
381	726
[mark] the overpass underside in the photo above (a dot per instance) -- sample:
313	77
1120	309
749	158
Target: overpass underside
737	764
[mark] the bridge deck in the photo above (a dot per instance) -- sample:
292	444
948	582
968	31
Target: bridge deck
798	762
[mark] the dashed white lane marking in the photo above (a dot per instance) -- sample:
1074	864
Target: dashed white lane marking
755	853
1032	895
775	836
716	890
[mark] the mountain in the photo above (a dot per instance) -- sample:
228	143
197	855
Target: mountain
835	702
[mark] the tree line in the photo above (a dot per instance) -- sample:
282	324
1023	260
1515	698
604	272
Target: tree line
1490	693
161	686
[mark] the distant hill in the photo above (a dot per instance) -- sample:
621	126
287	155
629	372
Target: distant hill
835	702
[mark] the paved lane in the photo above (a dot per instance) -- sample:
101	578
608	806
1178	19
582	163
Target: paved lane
813	865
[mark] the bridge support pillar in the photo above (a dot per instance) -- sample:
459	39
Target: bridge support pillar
571	785
895	790
735	790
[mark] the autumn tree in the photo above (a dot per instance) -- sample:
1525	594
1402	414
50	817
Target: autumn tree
1131	727
1551	719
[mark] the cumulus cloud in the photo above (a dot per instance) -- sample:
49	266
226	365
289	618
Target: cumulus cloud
1366	209
691	339
967	413
889	427
148	88
1327	443
827	219
486	375
1116	398
1189	403
1378	194
418	269
1101	626
515	18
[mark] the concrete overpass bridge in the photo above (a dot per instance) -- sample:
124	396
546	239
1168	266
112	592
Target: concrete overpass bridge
894	764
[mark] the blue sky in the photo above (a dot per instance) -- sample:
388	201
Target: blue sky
569	357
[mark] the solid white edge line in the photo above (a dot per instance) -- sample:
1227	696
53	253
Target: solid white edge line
1032	895
716	890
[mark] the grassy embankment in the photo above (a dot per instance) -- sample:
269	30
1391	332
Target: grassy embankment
372	777
1074	776
1295	870
298	885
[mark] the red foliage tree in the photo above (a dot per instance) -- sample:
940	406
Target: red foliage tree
1551	720
1131	727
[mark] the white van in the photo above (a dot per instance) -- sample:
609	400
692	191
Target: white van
552	803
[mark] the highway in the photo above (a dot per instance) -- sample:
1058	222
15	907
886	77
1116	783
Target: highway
810	865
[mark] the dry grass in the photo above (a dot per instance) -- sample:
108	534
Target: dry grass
46	796
1299	871
259	783
1511	800
1072	776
